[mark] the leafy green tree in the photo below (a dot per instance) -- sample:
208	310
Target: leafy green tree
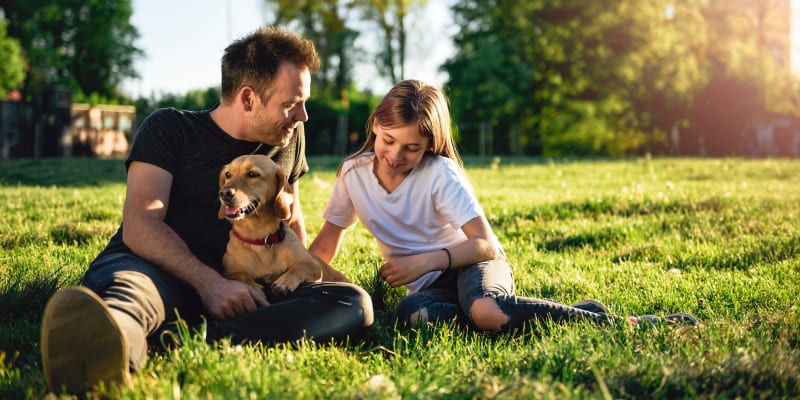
85	45
197	99
486	74
12	69
633	68
577	77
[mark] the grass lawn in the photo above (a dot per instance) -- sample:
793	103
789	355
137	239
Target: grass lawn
718	238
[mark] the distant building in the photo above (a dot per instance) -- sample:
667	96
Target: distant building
773	135
101	130
55	127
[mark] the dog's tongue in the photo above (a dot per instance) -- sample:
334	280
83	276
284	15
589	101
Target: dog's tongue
231	210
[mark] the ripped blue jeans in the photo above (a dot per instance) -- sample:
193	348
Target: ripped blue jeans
452	294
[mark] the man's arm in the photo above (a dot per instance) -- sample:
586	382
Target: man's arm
146	234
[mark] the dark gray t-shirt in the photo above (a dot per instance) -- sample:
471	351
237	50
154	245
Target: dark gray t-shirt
190	146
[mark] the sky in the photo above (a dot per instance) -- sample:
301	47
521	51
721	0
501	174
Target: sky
184	41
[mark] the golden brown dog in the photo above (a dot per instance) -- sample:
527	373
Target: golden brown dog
253	197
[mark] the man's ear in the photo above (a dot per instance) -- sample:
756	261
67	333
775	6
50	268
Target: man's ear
246	97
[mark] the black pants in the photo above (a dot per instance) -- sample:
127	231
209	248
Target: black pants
145	301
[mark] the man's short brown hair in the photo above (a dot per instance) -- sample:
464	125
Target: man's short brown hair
253	60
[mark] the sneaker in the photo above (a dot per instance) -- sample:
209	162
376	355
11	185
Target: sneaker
652	321
592	306
82	345
682	318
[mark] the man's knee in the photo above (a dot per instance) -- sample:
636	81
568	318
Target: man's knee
363	301
357	299
486	314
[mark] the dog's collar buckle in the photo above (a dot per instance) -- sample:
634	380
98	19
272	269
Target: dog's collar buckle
275	237
269	240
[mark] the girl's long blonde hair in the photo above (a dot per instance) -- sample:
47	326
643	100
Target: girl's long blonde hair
414	102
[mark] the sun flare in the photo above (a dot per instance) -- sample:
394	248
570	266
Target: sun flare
795	36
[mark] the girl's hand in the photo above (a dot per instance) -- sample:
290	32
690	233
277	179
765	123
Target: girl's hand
402	270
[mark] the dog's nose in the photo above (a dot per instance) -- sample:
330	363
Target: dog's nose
227	192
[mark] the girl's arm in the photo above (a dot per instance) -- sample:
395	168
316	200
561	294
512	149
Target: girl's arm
296	221
327	242
477	248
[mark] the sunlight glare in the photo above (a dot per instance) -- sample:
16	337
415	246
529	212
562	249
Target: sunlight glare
795	37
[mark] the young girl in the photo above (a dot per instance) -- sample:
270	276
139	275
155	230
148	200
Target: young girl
407	186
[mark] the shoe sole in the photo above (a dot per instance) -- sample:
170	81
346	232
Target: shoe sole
81	344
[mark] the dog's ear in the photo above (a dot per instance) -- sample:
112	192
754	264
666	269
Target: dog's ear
221	212
283	199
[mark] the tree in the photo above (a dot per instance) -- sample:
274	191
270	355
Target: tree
485	75
324	23
390	16
84	45
12	69
747	59
578	77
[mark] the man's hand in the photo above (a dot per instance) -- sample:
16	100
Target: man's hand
228	298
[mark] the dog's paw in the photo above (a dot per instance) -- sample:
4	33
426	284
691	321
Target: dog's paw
286	284
255	285
244	278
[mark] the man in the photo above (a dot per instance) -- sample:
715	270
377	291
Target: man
166	256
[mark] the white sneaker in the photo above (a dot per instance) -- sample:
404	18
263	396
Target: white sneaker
81	344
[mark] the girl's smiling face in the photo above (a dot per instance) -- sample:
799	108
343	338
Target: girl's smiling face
397	151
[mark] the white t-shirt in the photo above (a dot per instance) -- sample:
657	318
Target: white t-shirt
425	213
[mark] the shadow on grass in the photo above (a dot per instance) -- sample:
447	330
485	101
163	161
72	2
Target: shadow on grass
62	172
25	299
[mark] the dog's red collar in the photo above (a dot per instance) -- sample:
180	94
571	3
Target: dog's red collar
269	240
